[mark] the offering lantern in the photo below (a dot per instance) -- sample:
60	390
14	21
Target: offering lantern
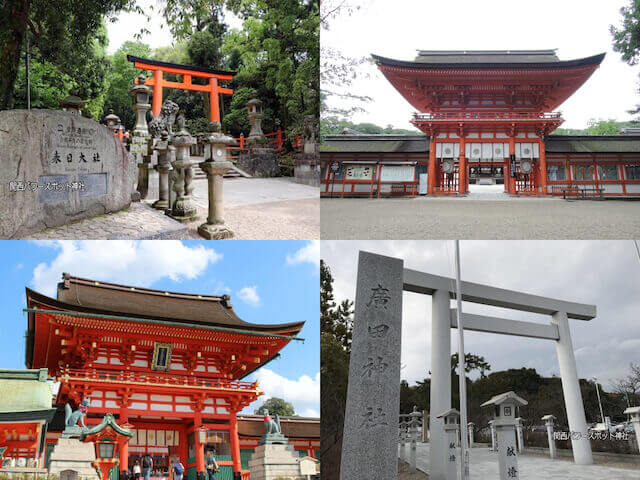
107	436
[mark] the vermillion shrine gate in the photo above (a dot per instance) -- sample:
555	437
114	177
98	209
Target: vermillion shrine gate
187	72
170	364
488	116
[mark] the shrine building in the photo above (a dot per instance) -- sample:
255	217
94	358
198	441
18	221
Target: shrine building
488	118
170	364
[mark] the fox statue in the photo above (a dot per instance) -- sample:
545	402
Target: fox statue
271	426
71	418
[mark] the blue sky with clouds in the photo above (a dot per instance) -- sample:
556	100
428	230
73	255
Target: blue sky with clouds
269	282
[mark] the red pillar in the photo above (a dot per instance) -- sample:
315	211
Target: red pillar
543	166
200	468
235	446
182	446
462	169
214	105
157	93
431	181
123	453
512	151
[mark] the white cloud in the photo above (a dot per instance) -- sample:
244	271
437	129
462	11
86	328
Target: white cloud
249	295
123	261
310	253
303	393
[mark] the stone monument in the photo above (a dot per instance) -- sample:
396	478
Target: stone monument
72	458
184	208
259	160
274	458
369	444
141	142
505	411
215	166
635	420
307	163
66	168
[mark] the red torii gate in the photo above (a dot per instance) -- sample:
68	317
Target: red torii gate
157	82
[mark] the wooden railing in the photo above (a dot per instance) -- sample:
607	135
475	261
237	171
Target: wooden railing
118	376
496	116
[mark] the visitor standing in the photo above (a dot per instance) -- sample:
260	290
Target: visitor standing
147	465
212	465
178	470
136	470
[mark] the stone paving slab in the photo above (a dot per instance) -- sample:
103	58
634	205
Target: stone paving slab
138	222
483	464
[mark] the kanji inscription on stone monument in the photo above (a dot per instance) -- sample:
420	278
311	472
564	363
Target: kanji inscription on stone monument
369	446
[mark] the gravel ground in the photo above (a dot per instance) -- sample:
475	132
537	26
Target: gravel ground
514	218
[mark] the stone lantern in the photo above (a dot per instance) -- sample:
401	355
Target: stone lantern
451	426
73	103
254	107
165	152
183	209
548	421
635	420
112	121
505	411
414	418
215	166
141	141
141	95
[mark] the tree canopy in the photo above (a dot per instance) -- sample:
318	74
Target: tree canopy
275	52
276	406
626	38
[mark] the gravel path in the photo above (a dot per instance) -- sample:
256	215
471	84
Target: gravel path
468	218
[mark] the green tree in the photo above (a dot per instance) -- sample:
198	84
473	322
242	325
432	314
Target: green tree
626	38
334	319
62	33
276	406
472	362
121	79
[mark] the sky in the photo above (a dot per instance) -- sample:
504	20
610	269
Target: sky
576	28
269	282
126	25
604	274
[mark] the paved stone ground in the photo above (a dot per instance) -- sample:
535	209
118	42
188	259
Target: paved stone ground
138	222
259	208
256	209
487	213
483	464
403	473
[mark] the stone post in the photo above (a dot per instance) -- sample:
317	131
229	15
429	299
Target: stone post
425	426
184	209
369	442
450	427
494	445
470	426
164	152
519	435
571	389
635	420
215	166
413	419
548	421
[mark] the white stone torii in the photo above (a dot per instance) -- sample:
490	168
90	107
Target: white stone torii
442	290
369	447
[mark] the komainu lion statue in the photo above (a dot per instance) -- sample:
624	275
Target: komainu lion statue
164	121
